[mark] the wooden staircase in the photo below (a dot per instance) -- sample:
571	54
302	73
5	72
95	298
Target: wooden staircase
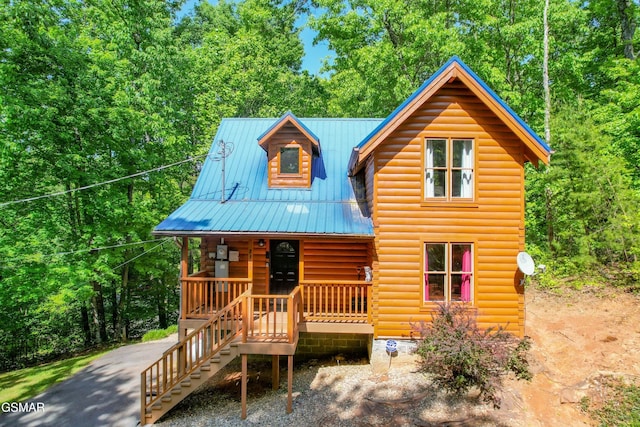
190	363
250	324
198	377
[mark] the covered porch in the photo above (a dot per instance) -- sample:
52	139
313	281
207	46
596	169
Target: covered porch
331	278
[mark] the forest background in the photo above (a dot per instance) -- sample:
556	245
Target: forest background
97	90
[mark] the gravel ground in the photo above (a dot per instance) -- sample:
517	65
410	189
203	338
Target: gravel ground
352	393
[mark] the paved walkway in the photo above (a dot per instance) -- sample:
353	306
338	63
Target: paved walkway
105	393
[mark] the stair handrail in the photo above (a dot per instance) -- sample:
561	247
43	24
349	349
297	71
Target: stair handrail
191	352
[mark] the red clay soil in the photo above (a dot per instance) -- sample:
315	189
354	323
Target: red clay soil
580	339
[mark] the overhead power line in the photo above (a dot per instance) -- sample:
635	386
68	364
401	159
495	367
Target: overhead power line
106	247
86	250
142	254
111	181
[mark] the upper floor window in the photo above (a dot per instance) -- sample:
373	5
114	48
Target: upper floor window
449	167
448	272
290	160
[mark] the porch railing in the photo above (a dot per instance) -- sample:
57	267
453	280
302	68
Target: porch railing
339	301
182	359
274	318
320	301
204	296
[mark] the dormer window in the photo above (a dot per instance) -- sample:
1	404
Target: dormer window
290	160
290	147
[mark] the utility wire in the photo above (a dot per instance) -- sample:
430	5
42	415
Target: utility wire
142	254
88	250
111	181
103	247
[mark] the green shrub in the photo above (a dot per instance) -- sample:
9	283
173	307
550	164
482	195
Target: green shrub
460	356
158	334
622	406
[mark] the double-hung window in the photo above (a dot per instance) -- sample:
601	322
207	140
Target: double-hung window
449	169
448	272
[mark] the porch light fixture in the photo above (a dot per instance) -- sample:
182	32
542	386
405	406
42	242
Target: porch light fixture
261	243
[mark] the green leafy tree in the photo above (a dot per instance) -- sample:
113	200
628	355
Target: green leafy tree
593	200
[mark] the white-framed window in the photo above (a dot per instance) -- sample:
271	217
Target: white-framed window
449	168
448	272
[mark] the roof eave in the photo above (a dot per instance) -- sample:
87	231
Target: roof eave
533	142
288	117
354	165
454	68
256	234
400	114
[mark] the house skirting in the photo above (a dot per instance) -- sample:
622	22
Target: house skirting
319	345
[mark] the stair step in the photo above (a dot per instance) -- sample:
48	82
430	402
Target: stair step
156	406
176	390
225	351
195	376
215	359
185	383
166	398
205	367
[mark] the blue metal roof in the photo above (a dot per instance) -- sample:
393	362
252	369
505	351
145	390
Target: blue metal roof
328	207
294	119
487	89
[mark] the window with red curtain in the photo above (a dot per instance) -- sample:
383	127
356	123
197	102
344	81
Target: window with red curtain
448	272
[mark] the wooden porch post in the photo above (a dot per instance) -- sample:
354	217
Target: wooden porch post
143	398
290	385
275	372
184	273
184	295
243	388
250	261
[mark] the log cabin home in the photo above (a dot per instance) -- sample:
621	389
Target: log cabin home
348	227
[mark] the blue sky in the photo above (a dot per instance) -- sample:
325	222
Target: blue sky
314	55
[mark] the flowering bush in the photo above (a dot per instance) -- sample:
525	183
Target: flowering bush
460	356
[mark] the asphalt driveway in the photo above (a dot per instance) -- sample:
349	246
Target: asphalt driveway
105	393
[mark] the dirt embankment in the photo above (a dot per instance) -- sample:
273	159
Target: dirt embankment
580	339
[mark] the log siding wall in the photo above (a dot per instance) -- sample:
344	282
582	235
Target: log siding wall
335	260
289	136
404	221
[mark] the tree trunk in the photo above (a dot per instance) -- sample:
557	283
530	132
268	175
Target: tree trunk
114	311
86	327
627	25
162	308
123	305
98	312
548	196
545	74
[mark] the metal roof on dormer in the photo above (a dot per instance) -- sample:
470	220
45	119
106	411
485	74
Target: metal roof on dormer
289	118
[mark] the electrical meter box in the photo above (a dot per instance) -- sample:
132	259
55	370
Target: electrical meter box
222	252
222	270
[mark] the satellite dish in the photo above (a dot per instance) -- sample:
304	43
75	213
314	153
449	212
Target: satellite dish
525	263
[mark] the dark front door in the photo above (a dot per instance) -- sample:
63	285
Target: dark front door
284	265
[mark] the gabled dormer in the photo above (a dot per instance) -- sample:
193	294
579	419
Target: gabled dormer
290	147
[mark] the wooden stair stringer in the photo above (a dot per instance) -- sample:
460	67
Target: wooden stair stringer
180	391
